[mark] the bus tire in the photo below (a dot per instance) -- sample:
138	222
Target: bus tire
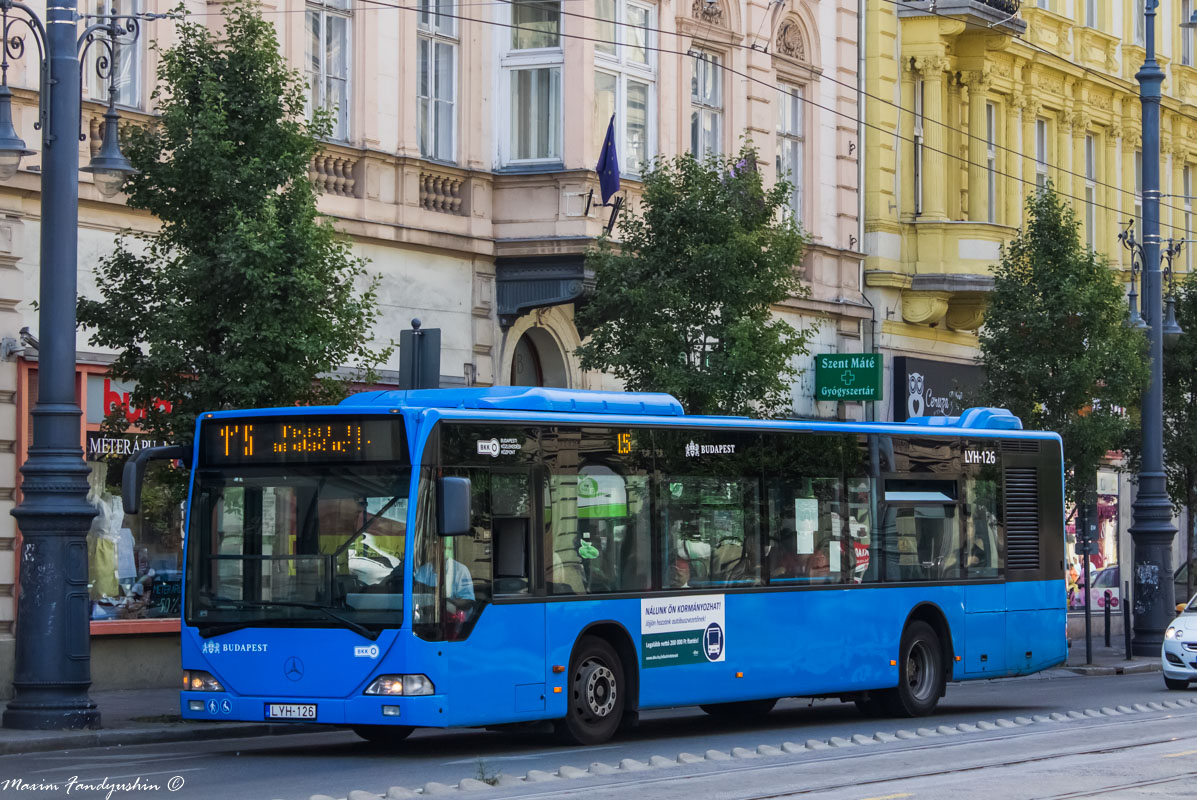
744	709
921	675
1176	684
383	734
597	694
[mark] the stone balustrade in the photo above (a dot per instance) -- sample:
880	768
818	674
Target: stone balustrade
442	191
335	173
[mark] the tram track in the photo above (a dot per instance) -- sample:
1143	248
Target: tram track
857	783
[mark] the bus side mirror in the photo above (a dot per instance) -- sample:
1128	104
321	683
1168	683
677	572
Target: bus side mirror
453	506
134	472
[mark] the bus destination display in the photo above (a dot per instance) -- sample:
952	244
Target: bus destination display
304	440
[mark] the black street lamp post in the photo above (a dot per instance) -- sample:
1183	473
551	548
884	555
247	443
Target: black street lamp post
1152	531
53	648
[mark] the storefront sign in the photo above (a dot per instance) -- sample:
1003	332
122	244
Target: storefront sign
101	447
105	394
848	376
924	388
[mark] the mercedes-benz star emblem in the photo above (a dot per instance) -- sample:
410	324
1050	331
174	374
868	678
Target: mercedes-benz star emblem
293	669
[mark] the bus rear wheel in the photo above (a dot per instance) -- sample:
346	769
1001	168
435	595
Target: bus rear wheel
921	675
744	709
597	694
383	734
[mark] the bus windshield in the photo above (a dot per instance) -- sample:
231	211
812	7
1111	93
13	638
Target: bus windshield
306	544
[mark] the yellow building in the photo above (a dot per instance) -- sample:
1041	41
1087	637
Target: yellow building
972	103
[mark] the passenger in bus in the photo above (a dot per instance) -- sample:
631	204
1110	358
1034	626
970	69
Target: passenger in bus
457	578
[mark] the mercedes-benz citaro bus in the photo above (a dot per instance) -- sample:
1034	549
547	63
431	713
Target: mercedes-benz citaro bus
487	556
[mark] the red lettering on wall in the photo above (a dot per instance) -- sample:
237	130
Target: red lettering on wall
114	399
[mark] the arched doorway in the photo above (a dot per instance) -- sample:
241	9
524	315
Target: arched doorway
538	361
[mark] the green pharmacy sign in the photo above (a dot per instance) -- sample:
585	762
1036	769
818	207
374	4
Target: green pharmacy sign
848	376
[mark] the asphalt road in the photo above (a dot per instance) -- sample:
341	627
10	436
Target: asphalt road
297	766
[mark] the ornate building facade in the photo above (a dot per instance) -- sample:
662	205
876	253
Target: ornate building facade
461	167
975	103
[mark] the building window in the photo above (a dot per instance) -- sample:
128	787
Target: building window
1188	231
1090	191
991	159
1044	4
918	148
437	81
1091	13
1140	22
532	77
790	143
624	81
129	61
1139	188
1186	34
1041	153
327	62
706	104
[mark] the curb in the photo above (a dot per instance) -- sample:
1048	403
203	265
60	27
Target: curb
41	741
1119	669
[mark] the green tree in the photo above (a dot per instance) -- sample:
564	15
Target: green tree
1180	415
683	304
244	296
1055	345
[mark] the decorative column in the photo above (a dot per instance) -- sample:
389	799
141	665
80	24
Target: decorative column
1110	197
978	175
935	175
1061	170
1080	126
1016	106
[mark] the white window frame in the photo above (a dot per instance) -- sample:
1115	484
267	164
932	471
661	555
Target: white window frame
130	78
991	159
791	138
512	61
341	117
1186	34
438	31
625	69
1187	177
918	147
1041	155
1091	191
715	109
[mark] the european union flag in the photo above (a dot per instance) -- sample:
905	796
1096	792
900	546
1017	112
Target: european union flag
608	165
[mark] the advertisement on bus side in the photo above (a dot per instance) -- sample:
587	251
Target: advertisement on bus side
682	630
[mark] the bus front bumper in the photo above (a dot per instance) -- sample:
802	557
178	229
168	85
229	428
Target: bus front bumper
429	711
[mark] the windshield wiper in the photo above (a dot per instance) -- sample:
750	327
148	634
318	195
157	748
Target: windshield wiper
359	629
366	526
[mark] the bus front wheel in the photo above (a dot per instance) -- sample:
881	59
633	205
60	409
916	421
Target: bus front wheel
383	734
597	694
921	673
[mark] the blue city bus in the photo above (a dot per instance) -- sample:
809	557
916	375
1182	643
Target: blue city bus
494	556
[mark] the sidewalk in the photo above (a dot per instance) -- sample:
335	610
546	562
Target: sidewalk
1108	660
139	716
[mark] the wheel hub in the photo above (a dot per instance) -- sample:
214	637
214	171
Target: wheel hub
598	689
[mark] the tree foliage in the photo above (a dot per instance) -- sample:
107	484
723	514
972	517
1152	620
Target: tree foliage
1056	347
245	296
683	302
1180	411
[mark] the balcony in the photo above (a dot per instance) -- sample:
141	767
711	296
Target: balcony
1000	15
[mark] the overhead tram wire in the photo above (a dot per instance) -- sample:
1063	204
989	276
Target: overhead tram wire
767	84
379	5
824	77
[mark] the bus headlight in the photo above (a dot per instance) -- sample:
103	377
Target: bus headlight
406	685
196	680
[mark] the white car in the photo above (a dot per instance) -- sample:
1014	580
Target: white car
1179	653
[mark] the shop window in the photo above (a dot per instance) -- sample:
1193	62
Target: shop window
134	561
